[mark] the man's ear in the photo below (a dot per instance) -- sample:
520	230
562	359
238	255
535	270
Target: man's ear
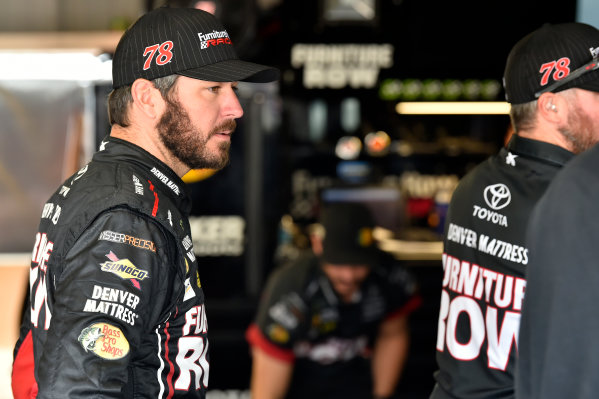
316	235
551	107
147	98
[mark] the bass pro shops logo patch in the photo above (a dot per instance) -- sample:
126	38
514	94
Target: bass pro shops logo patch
497	196
104	340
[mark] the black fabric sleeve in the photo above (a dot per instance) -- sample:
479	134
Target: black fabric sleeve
402	291
282	314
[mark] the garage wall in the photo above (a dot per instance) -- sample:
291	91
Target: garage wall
43	15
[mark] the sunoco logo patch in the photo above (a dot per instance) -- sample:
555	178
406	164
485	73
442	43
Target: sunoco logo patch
124	269
104	340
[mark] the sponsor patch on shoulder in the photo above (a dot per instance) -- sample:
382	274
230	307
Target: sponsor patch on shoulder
189	292
497	196
278	334
124	269
104	340
139	188
121	238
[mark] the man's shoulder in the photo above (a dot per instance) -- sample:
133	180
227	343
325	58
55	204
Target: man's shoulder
505	171
300	268
100	185
97	189
479	176
296	274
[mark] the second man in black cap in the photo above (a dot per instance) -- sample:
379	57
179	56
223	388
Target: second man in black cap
333	324
552	84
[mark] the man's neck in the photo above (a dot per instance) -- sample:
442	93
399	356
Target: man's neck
149	141
550	136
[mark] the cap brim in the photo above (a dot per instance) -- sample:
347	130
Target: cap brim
361	257
233	71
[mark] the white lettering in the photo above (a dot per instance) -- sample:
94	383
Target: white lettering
339	65
480	291
470	349
191	358
500	344
505	300
503	250
337	78
111	309
499	348
519	293
195	317
379	55
468	278
475	281
443	313
164	179
56	215
187	243
48	210
64	191
39	258
139	188
489	216
115	295
461	235
213	35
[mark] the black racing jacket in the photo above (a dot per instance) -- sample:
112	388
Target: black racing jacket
484	263
301	320
116	306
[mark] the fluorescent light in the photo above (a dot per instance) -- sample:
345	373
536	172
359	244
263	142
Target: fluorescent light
69	65
453	108
412	250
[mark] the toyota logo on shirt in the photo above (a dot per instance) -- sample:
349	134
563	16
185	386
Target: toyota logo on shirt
497	196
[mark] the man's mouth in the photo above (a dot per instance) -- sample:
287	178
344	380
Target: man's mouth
222	137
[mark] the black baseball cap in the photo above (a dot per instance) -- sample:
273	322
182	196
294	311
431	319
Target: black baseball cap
553	58
348	235
183	41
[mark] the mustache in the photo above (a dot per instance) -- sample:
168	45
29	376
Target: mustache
228	125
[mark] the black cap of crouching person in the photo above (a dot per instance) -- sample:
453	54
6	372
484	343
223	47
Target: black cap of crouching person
348	235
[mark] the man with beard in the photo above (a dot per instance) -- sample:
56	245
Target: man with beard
558	343
552	84
116	306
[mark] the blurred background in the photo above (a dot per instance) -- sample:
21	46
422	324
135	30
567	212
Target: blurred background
386	102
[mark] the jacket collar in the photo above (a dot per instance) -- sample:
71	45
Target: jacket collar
122	151
540	150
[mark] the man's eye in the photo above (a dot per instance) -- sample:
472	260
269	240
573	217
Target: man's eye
214	89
